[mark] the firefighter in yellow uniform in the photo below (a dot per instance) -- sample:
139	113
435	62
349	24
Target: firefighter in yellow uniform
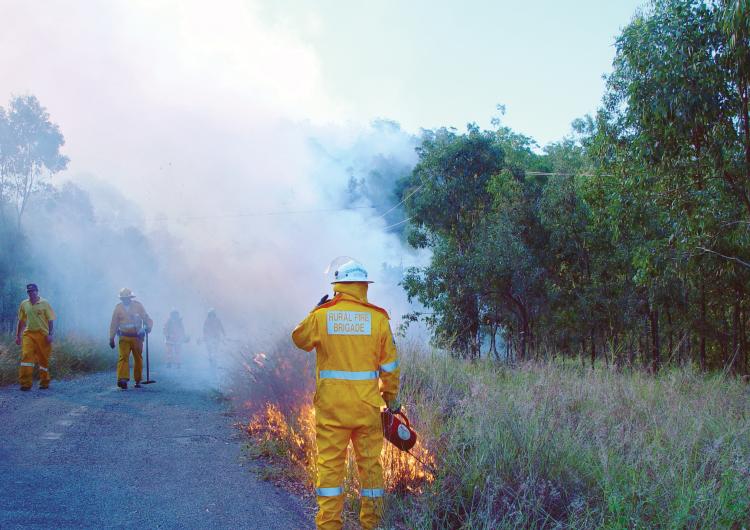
35	333
131	322
356	373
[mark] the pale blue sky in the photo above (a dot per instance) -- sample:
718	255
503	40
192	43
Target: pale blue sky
433	63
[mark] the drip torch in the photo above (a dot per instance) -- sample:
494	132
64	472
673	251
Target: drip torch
400	433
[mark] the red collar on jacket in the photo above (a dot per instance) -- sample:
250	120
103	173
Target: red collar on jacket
342	297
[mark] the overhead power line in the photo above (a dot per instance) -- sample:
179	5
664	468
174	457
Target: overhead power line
415	190
555	174
291	212
399	223
258	214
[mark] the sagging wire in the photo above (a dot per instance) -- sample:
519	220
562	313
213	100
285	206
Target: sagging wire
553	174
399	223
415	190
258	214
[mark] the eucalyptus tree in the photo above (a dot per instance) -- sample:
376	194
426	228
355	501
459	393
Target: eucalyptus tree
448	203
29	152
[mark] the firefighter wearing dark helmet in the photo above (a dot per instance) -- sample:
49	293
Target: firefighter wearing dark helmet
356	373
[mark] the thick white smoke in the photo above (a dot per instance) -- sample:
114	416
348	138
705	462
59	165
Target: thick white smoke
209	132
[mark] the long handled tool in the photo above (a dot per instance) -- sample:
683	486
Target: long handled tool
148	380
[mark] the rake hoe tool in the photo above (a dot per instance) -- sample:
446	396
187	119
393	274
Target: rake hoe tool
148	380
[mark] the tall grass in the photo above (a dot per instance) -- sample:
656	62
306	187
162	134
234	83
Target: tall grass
71	355
559	446
549	445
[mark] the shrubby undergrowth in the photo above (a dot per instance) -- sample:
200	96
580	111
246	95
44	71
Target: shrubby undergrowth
71	355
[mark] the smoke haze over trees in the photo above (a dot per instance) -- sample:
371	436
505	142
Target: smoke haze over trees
626	242
81	239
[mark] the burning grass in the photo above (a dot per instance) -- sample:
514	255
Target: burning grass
545	446
282	429
71	355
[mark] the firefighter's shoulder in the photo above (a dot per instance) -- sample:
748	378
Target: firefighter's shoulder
338	299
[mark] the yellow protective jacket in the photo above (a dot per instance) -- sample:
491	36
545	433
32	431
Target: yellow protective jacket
352	336
128	321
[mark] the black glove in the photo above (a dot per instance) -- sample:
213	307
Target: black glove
112	343
323	300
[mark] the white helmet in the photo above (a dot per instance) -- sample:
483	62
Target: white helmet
351	272
126	293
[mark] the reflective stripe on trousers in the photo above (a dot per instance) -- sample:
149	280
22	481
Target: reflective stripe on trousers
372	492
329	492
28	364
349	376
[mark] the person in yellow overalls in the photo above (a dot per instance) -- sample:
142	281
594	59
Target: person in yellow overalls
357	371
131	323
34	333
174	338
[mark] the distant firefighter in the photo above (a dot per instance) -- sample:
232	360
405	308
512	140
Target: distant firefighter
357	373
131	323
213	334
174	338
35	333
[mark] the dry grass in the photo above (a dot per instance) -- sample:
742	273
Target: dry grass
275	390
543	446
71	355
558	446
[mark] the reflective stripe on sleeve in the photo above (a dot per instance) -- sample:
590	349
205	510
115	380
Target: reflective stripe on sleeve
28	364
329	492
374	492
389	367
42	368
349	376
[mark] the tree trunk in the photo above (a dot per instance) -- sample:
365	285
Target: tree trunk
493	348
671	352
743	340
593	347
726	357
736	353
703	364
655	345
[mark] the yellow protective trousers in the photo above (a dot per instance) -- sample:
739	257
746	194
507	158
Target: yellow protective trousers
336	425
34	350
125	347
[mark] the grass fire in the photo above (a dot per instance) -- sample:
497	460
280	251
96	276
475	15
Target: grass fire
538	446
277	397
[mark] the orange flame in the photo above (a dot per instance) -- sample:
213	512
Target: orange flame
294	437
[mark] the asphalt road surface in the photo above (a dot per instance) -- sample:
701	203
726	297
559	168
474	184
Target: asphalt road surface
85	454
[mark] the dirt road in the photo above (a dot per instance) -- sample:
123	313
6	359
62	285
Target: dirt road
85	454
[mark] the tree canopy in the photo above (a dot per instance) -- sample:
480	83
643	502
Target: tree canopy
628	240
